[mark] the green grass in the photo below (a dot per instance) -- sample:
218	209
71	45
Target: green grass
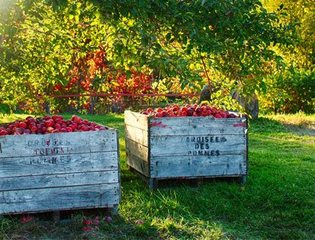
277	202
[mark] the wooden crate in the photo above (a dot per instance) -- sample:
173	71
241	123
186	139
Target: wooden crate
186	147
59	171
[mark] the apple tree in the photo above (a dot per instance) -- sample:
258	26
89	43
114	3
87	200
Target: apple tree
41	48
226	44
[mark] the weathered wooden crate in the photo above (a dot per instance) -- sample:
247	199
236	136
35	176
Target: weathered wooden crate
59	171
186	147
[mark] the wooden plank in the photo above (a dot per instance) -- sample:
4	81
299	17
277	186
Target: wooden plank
196	125
185	166
58	180
138	164
187	145
49	199
243	179
58	143
136	134
118	169
197	160
137	149
135	119
24	166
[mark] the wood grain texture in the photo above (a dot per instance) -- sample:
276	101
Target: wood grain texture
137	148
135	119
218	170
25	166
186	145
58	180
186	166
58	143
49	199
142	166
137	135
195	126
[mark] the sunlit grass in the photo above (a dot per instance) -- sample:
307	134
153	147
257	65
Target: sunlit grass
6	118
300	119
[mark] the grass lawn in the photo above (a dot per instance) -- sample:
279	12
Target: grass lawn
277	201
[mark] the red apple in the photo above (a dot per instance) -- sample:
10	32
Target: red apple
50	129
3	132
27	131
49	123
22	125
76	119
69	129
33	129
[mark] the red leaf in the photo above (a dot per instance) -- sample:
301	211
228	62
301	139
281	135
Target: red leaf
87	228
26	218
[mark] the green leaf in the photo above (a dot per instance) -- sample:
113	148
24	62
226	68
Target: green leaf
77	18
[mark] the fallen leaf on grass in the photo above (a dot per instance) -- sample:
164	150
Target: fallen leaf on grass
108	219
96	220
139	222
26	218
87	222
87	228
91	224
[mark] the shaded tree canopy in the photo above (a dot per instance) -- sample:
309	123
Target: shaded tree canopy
231	36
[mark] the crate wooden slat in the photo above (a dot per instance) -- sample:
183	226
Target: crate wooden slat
63	198
186	147
59	171
58	180
58	143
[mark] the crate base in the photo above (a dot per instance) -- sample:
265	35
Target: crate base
155	183
63	216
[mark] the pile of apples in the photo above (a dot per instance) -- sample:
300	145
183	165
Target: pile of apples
48	124
188	110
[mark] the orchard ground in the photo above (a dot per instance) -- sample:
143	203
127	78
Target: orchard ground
277	201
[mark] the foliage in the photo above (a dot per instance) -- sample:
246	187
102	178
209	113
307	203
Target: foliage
229	37
292	89
39	49
301	12
185	40
94	74
290	92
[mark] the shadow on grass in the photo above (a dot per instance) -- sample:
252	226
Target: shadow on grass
71	226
